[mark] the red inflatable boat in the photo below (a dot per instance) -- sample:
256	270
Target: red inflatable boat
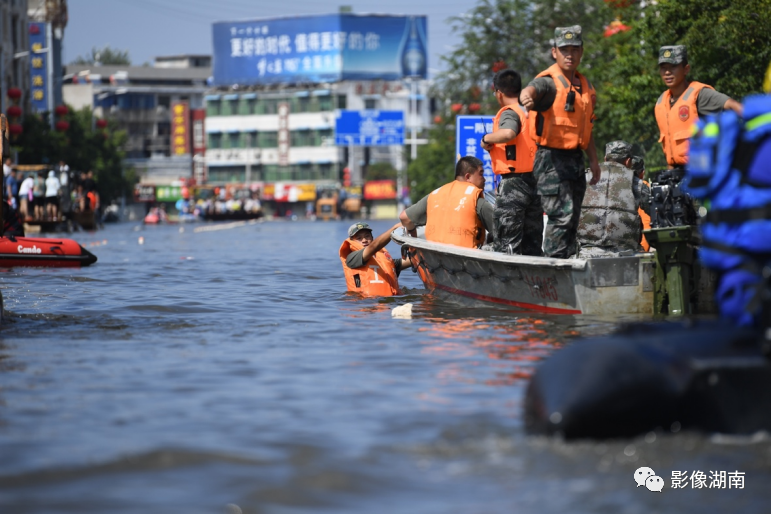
42	252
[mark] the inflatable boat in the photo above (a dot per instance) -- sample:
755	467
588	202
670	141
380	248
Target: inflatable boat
43	252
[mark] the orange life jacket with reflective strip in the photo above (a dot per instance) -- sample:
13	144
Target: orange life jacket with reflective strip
558	128
517	154
451	215
376	278
676	122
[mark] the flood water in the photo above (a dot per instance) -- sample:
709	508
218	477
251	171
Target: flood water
226	371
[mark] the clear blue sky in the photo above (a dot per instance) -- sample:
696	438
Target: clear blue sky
148	28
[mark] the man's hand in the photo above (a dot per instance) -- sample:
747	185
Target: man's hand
734	106
485	145
596	172
527	97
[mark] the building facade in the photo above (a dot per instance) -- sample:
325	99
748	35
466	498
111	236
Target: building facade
140	100
14	51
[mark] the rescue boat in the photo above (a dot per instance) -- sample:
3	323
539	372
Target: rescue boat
43	252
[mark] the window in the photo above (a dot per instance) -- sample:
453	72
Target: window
213	108
270	105
325	103
250	139
342	102
268	139
302	138
250	106
370	103
303	104
215	140
234	140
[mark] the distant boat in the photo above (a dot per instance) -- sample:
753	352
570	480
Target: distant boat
43	252
232	216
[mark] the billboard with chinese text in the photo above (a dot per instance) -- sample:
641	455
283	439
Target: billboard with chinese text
380	190
39	67
180	123
326	48
469	131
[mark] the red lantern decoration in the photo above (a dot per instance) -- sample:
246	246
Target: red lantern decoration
14	93
13	111
498	66
62	126
456	107
101	123
61	110
437	119
15	129
615	27
472	108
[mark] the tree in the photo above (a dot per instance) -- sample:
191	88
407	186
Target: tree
104	56
381	171
82	147
434	165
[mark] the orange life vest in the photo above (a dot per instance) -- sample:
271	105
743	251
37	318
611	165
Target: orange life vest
558	128
376	278
675	122
646	221
517	154
451	215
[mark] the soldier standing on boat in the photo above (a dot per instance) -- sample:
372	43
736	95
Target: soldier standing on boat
564	102
455	213
680	106
610	222
518	215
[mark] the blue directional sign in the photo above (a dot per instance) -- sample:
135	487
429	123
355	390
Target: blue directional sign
369	128
469	131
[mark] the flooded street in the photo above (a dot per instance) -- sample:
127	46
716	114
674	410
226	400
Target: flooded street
213	368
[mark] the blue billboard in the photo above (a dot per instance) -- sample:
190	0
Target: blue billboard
469	131
313	49
38	67
369	128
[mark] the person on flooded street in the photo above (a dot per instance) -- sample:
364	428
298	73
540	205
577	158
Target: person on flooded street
518	215
610	222
563	101
680	106
368	267
455	213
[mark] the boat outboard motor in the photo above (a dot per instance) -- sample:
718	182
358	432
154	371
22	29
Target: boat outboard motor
730	166
670	205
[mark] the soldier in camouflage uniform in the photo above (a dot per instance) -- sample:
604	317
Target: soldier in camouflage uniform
610	222
563	101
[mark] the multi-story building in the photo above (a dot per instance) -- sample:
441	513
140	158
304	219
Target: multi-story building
242	128
14	51
139	99
280	85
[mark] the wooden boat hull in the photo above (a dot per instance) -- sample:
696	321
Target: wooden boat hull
619	285
43	252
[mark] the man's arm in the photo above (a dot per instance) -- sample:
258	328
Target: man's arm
539	95
591	152
485	213
379	243
414	215
713	102
508	128
734	106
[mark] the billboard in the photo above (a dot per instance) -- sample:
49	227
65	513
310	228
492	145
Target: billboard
369	128
380	190
469	131
39	64
180	135
313	49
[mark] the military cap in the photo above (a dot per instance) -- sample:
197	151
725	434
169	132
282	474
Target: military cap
356	227
568	36
618	151
673	54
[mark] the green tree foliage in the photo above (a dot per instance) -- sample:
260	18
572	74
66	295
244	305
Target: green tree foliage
82	147
105	56
729	47
432	168
381	171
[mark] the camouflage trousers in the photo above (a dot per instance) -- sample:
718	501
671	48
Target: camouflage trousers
518	216
561	186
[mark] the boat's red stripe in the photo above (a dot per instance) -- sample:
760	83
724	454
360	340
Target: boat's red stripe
521	305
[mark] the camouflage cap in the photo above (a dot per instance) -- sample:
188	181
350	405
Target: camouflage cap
673	54
568	36
618	151
357	227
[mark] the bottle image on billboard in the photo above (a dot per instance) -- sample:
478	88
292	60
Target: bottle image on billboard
414	54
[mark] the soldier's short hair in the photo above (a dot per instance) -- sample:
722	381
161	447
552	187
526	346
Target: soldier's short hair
468	164
508	82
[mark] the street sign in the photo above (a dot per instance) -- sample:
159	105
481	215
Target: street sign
369	128
469	131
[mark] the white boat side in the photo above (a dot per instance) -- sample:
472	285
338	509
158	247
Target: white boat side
616	285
